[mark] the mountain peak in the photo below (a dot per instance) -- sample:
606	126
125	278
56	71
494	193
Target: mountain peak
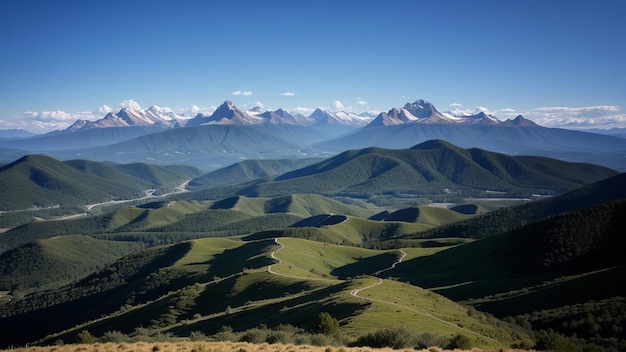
519	121
421	108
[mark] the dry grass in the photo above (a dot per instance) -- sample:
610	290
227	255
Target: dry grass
206	346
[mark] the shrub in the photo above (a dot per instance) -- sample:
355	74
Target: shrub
427	339
197	336
256	336
396	338
114	336
461	342
85	337
278	337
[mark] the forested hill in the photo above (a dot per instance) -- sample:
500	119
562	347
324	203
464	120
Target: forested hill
431	168
506	219
42	181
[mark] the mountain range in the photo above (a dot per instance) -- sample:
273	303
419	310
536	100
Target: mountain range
228	135
286	258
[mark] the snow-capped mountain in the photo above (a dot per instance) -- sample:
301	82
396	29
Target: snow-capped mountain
229	114
225	114
152	116
424	112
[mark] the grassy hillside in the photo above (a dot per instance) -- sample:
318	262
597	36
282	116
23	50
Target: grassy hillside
52	262
550	265
177	220
432	169
205	284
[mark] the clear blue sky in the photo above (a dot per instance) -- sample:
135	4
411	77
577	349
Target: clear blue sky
547	59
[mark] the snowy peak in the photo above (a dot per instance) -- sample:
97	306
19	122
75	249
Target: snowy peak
421	109
225	114
153	116
423	112
321	117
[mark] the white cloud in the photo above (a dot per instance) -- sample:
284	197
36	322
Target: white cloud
456	105
288	94
244	93
129	104
361	102
337	105
103	110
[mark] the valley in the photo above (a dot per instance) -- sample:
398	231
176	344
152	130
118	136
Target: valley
241	234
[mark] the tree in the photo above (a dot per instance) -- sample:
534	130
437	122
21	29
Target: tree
326	324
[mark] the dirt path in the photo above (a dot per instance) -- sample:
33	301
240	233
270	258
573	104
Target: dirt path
355	292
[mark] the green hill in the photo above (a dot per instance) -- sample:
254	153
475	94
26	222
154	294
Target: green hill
171	221
433	168
205	284
546	267
41	181
56	261
506	219
249	170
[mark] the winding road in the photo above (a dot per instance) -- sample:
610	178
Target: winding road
148	194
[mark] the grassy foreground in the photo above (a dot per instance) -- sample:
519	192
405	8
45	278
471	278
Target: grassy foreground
210	346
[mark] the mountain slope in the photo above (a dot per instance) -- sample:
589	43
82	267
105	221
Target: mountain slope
56	261
509	138
503	220
567	259
266	282
248	170
432	168
80	140
41	181
206	147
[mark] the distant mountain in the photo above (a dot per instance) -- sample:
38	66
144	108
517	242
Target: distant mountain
229	114
207	146
15	134
423	112
79	139
400	129
226	114
152	116
429	169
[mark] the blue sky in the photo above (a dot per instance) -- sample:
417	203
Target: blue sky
561	63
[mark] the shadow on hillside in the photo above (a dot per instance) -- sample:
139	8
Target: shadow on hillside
366	266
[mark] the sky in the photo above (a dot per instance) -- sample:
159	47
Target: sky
560	63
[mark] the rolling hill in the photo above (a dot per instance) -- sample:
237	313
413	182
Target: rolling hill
249	170
41	181
499	221
546	268
433	168
173	289
52	262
